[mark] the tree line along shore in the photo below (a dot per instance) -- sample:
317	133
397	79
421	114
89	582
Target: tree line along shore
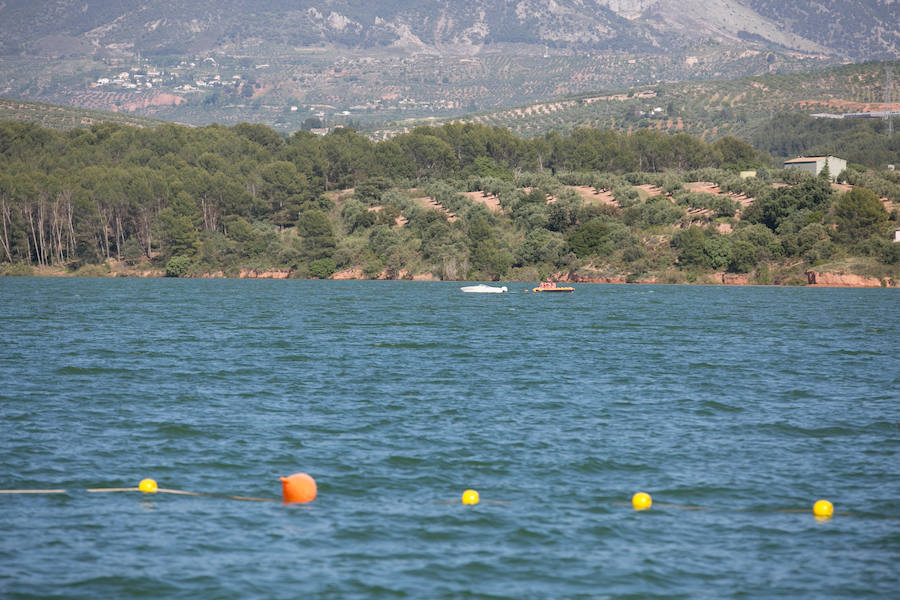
454	202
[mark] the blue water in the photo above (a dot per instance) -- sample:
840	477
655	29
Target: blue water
735	408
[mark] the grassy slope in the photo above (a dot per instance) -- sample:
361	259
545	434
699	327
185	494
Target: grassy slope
65	117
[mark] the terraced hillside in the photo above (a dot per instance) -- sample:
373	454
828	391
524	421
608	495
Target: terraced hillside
708	109
767	111
66	117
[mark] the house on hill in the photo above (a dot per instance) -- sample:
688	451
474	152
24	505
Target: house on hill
815	164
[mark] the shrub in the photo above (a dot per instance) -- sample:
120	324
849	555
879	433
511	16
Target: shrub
883	250
178	266
743	257
92	271
859	215
655	211
706	248
813	243
539	246
718	251
767	245
689	243
820	251
16	270
322	268
594	238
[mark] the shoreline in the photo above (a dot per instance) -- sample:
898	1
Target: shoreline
821	279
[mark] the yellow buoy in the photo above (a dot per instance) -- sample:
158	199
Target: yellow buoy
148	486
823	509
470	497
641	501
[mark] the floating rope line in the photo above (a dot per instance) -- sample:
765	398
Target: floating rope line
147	486
134	489
688	507
641	501
181	493
700	508
229	497
479	502
678	506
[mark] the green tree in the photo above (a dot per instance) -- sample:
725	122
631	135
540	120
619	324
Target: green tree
485	252
594	238
690	243
356	216
322	268
178	234
384	242
717	250
562	215
737	154
178	266
348	157
312	123
370	191
260	134
317	233
744	256
540	246
657	210
306	151
859	215
529	210
283	190
15	189
430	155
779	204
765	244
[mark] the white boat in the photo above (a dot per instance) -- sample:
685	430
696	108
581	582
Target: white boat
483	289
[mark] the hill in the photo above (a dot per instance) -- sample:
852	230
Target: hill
741	108
460	201
55	116
856	29
284	63
771	112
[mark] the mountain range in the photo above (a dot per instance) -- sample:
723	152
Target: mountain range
854	29
283	61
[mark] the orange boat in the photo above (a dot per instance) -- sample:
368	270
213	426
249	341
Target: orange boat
550	286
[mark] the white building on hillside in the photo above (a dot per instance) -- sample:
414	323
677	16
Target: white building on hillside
815	164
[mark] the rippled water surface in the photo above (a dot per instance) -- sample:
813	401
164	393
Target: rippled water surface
736	408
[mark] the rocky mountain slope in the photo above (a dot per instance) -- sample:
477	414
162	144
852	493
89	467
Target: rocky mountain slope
289	63
857	29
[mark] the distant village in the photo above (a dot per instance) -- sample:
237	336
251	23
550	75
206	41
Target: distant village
185	77
206	75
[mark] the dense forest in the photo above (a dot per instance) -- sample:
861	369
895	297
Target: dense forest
459	201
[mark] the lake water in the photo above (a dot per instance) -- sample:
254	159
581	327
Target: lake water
735	408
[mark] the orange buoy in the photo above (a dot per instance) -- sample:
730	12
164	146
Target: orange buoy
298	487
